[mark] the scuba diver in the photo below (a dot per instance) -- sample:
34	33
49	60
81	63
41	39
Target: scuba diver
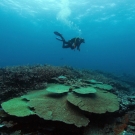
72	43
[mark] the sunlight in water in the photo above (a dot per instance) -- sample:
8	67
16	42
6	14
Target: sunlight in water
61	9
64	14
72	13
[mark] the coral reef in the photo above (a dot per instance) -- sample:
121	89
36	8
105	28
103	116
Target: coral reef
19	80
15	81
47	106
99	102
51	104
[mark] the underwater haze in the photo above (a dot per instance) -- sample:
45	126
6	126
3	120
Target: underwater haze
108	27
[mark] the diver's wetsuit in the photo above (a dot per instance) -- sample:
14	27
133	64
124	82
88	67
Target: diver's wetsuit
72	43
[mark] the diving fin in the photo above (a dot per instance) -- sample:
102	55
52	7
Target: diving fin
57	33
59	39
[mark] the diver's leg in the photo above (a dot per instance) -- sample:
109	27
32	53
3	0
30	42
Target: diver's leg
66	44
62	38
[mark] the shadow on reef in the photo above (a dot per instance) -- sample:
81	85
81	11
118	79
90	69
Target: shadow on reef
33	125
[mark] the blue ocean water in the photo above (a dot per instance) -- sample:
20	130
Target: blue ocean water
108	27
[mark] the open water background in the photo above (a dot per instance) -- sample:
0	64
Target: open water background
108	27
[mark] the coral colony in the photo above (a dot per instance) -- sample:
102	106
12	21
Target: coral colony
65	100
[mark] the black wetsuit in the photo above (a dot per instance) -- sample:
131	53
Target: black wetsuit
72	43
